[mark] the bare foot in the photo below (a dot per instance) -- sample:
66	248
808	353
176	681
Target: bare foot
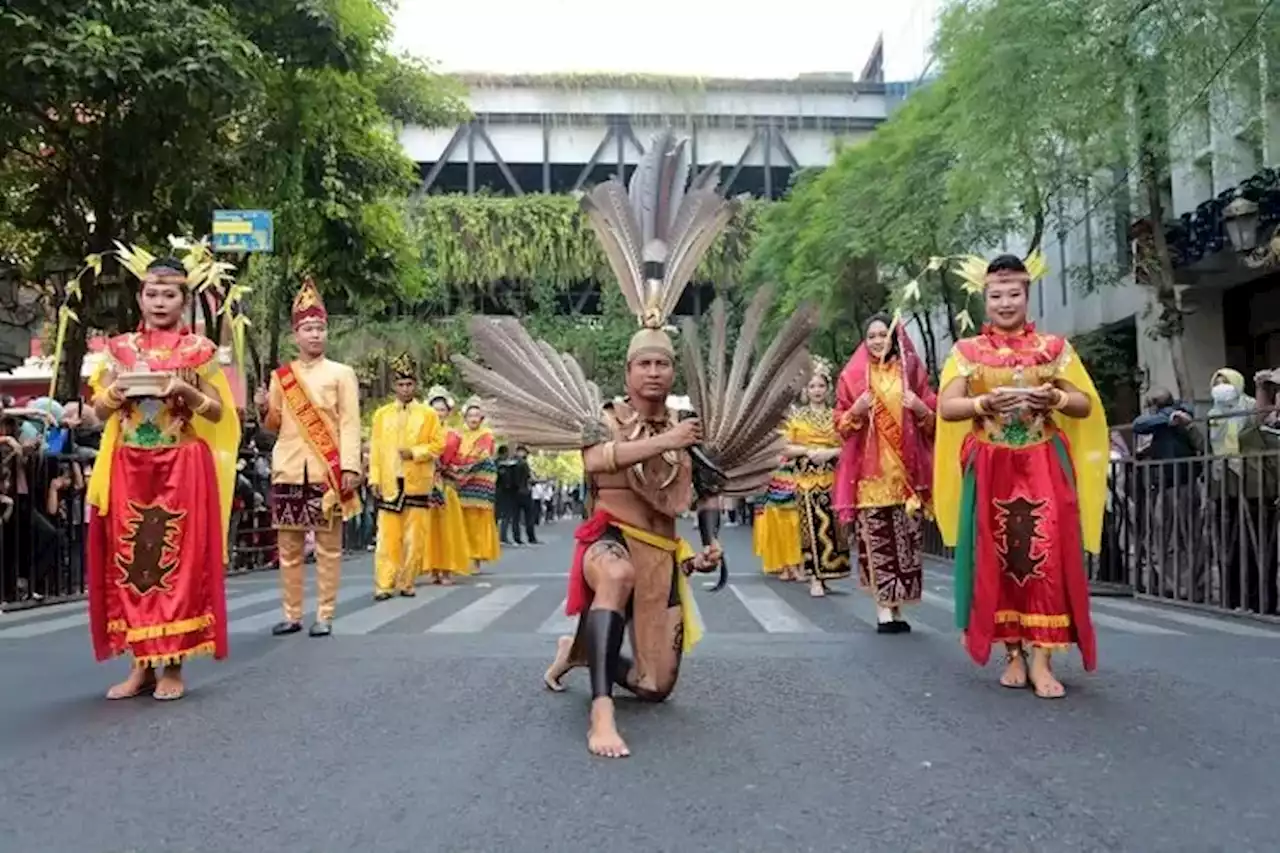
140	680
1015	671
602	737
1043	681
170	686
560	666
446	580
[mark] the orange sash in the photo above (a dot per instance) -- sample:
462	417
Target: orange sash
318	438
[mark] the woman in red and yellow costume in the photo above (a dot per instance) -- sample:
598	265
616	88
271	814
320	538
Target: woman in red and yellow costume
814	445
161	493
448	551
1020	472
475	474
885	412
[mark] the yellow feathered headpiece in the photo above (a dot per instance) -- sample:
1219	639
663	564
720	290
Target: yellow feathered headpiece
973	271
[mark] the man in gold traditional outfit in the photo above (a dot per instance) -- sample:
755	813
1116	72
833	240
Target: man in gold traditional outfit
313	405
630	568
406	437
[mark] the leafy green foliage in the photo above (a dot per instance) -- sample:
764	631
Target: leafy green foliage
135	119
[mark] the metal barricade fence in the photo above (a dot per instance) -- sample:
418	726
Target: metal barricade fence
44	523
1201	530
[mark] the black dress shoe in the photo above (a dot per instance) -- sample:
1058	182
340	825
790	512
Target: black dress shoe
904	627
321	629
381	596
282	629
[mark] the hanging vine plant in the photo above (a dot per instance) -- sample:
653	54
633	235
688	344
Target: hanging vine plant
476	241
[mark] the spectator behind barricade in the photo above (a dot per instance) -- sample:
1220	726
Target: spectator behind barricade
1168	424
1230	403
1261	496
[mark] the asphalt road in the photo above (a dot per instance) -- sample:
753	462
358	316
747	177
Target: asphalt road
423	726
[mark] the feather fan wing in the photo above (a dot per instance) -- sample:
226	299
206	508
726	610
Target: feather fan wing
741	415
536	395
611	216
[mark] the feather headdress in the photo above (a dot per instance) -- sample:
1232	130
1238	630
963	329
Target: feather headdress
655	233
972	271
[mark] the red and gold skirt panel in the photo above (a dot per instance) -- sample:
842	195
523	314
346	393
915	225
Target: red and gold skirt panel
155	560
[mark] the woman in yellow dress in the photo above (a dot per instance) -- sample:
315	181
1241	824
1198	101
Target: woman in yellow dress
476	476
775	530
448	552
814	445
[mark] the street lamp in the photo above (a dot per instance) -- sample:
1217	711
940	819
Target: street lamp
1242	222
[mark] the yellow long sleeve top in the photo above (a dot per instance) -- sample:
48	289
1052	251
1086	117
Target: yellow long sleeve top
398	426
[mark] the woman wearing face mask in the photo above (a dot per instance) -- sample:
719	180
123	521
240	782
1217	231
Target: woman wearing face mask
1227	389
885	411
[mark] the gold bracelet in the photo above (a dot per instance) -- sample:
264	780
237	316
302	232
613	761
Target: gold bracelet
978	411
611	457
111	398
206	403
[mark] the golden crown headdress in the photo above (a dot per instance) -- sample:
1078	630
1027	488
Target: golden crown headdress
819	366
439	392
403	366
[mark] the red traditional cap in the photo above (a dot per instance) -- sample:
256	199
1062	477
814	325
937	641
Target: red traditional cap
308	305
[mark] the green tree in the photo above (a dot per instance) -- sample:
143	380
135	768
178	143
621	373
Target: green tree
105	126
1055	95
134	119
859	236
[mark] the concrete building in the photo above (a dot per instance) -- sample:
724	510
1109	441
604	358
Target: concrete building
558	133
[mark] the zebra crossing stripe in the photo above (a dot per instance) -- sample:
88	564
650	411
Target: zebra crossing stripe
27	630
478	615
1225	626
262	621
370	619
558	623
773	614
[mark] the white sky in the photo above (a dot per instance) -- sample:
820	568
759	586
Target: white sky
698	37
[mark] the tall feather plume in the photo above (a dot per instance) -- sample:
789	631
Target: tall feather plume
658	220
740	417
535	395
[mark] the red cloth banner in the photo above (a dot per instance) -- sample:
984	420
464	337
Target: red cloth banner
156	575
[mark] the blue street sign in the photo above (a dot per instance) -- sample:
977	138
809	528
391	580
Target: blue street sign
243	231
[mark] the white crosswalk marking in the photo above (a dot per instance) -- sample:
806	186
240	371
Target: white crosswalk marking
558	623
372	618
1222	625
262	621
863	608
478	615
27	630
1129	626
773	614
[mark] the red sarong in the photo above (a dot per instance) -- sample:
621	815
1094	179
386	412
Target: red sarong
1029	580
156	574
578	598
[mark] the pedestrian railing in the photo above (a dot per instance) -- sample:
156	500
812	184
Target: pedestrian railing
1200	530
44	523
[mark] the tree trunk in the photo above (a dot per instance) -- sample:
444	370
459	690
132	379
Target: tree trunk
950	305
925	323
1159	265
